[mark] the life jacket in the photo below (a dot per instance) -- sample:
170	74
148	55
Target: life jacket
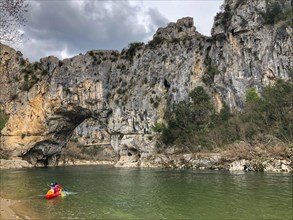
52	189
57	187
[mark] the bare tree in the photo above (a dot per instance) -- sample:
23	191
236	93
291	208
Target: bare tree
11	19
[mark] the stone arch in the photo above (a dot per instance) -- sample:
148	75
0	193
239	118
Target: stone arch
46	121
48	151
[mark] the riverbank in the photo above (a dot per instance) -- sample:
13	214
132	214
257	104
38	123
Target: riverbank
18	163
202	161
271	157
6	210
240	156
212	161
14	209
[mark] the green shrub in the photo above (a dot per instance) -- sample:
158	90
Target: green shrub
158	127
22	62
225	113
274	13
132	48
156	104
3	119
209	75
29	81
224	17
44	72
186	119
152	100
155	42
31	74
211	71
91	53
251	96
195	124
36	66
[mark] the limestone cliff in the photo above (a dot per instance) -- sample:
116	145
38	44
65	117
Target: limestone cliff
111	99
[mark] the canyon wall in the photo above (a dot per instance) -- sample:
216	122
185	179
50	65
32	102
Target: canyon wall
112	99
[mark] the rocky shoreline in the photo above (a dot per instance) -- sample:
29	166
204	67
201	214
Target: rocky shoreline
212	161
201	161
18	163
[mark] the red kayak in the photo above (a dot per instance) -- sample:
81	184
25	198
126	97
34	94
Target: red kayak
51	195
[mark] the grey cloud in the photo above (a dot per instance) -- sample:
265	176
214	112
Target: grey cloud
158	20
56	25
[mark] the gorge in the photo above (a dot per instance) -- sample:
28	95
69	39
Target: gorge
112	100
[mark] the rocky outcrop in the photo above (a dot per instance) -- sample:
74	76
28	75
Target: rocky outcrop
14	164
108	98
211	161
248	52
183	28
267	165
43	118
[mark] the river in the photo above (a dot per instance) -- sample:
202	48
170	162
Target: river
105	192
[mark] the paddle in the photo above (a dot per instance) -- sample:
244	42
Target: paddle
64	192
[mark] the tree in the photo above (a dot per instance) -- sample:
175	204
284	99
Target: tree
11	19
188	121
3	119
278	107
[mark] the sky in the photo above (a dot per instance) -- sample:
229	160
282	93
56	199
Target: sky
65	28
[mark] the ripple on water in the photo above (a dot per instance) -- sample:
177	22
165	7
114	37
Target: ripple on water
113	193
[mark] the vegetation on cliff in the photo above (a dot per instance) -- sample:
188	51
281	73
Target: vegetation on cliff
194	124
3	119
132	49
275	13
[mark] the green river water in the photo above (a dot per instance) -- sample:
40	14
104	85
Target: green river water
105	192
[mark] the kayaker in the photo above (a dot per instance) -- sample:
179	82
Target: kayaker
55	187
58	187
52	187
55	190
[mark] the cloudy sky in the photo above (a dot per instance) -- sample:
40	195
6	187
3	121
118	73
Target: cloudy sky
65	28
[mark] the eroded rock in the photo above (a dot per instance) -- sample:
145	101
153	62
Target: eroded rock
104	97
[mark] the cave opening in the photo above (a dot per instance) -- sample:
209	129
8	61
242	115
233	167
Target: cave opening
61	126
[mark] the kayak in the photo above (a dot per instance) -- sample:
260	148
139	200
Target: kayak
50	195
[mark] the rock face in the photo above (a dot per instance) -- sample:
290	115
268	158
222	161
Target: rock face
113	99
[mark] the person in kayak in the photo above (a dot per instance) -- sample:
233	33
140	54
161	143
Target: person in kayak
52	187
54	191
55	187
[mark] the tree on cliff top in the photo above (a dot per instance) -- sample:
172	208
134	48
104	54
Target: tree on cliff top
11	19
